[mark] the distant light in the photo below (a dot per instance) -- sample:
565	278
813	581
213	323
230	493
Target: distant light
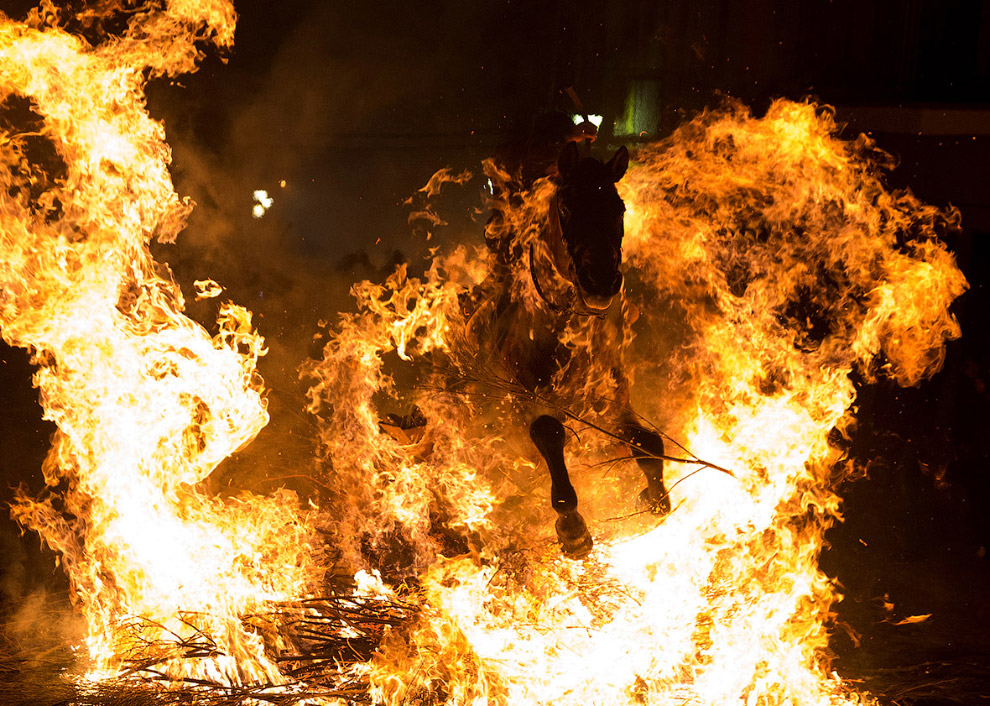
641	115
281	183
263	202
595	120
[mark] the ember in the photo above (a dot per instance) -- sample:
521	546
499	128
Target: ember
764	263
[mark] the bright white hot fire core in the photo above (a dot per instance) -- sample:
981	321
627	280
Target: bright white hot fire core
764	262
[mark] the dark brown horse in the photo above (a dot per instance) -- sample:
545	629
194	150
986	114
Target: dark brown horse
571	261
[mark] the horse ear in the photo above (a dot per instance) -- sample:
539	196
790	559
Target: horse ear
619	163
568	160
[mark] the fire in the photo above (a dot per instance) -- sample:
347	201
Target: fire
765	263
147	402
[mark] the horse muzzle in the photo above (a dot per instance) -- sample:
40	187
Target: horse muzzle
597	300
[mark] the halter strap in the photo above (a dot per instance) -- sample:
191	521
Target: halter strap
555	230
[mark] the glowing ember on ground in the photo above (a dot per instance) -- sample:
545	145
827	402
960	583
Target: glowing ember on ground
765	262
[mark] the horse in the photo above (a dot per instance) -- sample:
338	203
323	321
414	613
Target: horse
573	264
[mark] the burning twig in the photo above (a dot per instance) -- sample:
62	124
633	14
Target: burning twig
461	385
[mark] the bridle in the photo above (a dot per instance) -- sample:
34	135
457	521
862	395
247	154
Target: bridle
555	230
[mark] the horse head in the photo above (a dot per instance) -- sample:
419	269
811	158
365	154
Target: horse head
585	237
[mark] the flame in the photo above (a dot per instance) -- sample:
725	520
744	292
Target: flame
147	403
765	263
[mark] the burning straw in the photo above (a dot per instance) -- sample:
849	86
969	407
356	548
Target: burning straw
316	642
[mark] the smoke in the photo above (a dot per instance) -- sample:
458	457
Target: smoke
38	627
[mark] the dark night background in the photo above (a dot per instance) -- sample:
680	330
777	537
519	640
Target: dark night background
354	105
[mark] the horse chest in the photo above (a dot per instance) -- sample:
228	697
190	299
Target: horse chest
553	351
528	345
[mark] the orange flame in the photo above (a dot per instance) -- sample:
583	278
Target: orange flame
765	262
147	403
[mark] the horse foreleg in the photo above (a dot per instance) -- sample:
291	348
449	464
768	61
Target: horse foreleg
572	532
647	449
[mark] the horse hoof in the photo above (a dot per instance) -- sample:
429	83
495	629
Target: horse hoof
573	535
656	502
